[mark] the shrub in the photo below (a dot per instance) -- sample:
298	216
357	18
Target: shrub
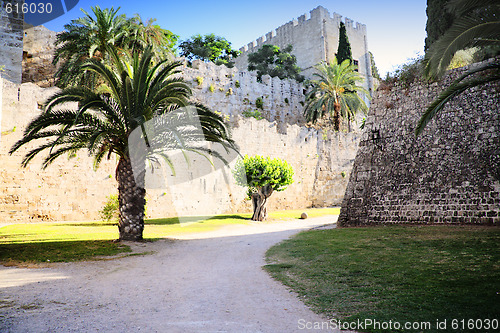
253	114
110	210
237	84
199	79
406	73
211	88
259	103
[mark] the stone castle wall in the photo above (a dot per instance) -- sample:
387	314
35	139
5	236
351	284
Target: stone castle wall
70	189
11	39
450	174
234	92
315	38
38	52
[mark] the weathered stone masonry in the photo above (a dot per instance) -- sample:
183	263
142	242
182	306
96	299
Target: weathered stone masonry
451	174
11	39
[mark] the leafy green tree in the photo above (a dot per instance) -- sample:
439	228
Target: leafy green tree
262	176
375	73
438	21
90	36
477	24
344	49
335	93
209	48
133	93
270	60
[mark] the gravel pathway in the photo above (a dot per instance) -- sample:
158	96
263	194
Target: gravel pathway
210	282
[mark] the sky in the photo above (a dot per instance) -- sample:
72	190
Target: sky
395	28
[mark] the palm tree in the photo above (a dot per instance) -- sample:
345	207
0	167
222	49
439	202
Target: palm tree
477	25
144	34
335	93
134	94
90	36
87	37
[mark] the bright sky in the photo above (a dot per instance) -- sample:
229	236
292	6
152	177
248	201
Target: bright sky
396	28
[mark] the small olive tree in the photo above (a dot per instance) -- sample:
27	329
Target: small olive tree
263	176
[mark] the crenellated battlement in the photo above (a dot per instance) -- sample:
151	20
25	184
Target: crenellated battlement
314	16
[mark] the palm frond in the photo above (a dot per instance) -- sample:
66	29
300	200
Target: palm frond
466	31
461	7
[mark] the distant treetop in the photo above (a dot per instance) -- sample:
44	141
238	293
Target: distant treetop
209	48
270	60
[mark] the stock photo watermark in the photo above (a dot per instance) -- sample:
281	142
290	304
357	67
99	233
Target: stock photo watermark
37	12
373	324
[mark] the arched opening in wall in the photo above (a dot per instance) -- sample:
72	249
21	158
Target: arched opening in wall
356	63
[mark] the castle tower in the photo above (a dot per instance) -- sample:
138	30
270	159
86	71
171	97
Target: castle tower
315	37
11	34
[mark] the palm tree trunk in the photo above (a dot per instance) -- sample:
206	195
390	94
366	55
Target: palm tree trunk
336	116
259	200
131	200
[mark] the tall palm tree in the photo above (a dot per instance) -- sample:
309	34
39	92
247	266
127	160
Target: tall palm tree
90	36
477	24
134	94
87	37
335	93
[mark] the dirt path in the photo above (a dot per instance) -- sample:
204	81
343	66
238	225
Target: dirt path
211	282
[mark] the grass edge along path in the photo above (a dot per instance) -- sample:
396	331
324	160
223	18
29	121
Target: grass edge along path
35	243
404	274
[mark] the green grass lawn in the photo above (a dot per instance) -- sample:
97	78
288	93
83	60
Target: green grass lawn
403	274
61	242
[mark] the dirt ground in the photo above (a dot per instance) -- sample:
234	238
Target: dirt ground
210	282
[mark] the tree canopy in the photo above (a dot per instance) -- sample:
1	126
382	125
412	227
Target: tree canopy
273	61
438	21
209	48
262	176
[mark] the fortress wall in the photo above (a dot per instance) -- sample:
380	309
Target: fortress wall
449	174
11	37
235	92
70	189
38	52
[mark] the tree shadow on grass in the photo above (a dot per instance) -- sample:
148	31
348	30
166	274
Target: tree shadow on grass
64	251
